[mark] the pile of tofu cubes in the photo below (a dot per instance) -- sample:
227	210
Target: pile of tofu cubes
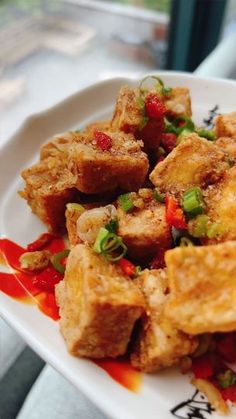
158	316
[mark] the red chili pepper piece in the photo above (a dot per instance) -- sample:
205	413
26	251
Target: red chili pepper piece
174	214
168	141
47	279
226	346
158	261
44	240
127	267
103	140
154	107
203	367
229	393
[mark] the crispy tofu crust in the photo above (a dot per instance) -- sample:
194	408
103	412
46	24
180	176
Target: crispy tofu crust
203	288
194	162
124	165
221	206
144	230
128	115
179	102
159	344
98	126
98	305
48	188
225	125
228	146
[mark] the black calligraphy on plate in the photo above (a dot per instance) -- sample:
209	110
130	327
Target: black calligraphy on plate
212	113
195	408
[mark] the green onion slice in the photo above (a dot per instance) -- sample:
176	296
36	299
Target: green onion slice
112	247
159	197
143	122
125	202
57	258
189	124
159	86
192	202
140	102
103	232
206	133
198	227
112	226
226	379
215	230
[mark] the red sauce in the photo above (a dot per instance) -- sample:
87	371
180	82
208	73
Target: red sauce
22	285
122	371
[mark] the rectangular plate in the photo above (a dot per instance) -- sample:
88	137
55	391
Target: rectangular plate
160	392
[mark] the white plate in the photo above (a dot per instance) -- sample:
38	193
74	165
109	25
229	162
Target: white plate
161	392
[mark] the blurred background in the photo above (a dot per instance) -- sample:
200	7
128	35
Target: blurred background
52	48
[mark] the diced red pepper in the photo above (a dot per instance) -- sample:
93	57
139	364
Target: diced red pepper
158	261
203	367
151	133
154	107
103	140
226	346
47	279
174	214
168	141
127	267
229	393
44	240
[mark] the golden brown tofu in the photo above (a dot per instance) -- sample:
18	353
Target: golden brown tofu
228	146
194	162
179	102
73	212
221	206
123	165
58	147
98	305
35	261
49	186
159	344
144	229
226	125
202	288
128	115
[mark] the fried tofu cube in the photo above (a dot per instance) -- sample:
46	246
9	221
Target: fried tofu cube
49	186
128	115
73	212
179	102
58	147
159	344
202	288
228	146
123	165
98	305
144	229
225	125
194	162
221	206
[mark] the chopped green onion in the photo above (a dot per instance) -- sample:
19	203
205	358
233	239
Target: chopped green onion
226	379
189	124
112	243
112	226
198	227
138	270
206	133
126	202
77	130
140	102
192	202
57	258
159	197
169	127
160	82
144	122
215	230
166	91
75	207
185	242
103	232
